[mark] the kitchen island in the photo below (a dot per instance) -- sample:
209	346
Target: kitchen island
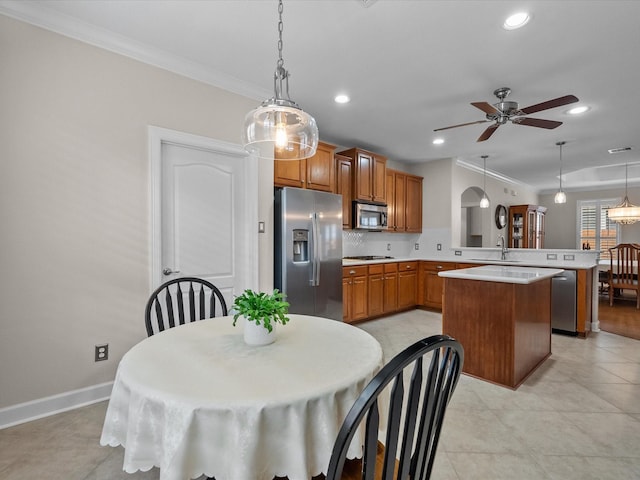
502	317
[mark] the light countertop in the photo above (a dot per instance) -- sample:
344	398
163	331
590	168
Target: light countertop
563	264
503	273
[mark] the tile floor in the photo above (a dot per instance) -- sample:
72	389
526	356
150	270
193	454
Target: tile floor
577	417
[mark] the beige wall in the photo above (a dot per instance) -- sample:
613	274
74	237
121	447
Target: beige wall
561	221
74	182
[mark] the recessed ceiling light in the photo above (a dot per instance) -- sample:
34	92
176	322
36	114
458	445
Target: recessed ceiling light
578	110
342	98
516	20
438	141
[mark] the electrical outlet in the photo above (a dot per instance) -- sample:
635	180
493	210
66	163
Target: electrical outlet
102	352
388	247
439	246
416	246
569	257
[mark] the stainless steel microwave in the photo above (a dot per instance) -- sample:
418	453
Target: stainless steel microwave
367	216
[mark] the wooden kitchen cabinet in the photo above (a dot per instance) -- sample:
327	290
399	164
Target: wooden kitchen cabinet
404	202
526	226
354	293
390	288
430	285
407	285
413	204
376	290
315	173
344	167
369	175
396	197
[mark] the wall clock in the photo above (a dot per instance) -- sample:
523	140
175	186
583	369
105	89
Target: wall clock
501	216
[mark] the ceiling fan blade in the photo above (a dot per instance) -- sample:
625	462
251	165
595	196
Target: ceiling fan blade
537	122
486	108
488	132
461	125
556	102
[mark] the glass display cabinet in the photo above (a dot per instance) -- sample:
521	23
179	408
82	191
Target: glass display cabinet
526	226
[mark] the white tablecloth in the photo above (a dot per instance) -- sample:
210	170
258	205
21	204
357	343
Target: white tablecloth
196	399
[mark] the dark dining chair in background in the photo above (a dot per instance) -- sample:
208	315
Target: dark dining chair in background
420	414
623	274
183	300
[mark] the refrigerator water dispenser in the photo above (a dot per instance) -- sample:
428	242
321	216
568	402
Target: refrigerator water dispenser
300	246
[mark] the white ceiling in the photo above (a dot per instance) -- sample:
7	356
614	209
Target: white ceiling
409	66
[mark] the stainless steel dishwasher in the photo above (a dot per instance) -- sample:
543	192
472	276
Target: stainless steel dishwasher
563	303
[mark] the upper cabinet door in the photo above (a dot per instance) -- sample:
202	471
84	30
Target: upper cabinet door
413	204
343	187
321	169
379	179
316	172
369	175
363	174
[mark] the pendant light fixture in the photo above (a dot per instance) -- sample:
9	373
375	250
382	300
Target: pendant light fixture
484	202
625	213
279	127
560	197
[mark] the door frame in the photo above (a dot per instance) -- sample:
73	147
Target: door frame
157	136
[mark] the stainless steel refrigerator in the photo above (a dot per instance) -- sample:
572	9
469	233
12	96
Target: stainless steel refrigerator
308	251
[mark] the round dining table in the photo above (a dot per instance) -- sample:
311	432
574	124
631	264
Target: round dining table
196	400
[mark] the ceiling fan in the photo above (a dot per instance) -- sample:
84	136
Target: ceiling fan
507	111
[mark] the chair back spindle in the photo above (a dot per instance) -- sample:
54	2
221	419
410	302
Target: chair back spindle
183	300
407	453
623	274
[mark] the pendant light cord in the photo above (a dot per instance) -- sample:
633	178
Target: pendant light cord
562	143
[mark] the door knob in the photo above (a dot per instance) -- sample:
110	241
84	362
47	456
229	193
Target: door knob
168	271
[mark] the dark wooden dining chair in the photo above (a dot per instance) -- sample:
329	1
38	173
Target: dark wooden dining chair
421	412
182	300
623	274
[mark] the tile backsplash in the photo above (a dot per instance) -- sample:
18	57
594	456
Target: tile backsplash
402	245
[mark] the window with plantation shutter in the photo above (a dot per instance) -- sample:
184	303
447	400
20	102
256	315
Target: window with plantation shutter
595	230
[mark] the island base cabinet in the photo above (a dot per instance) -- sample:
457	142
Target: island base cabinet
504	328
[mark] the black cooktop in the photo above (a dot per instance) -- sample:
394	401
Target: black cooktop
367	257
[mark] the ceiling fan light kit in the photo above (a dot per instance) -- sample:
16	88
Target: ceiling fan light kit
279	127
560	197
626	213
508	111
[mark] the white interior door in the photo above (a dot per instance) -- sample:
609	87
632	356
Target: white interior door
206	212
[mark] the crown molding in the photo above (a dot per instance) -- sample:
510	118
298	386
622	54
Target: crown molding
41	16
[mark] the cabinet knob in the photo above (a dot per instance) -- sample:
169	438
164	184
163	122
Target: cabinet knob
439	267
352	272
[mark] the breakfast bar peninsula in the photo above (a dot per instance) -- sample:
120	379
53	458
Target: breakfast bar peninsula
502	317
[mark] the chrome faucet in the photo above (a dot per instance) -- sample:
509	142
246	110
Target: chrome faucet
503	246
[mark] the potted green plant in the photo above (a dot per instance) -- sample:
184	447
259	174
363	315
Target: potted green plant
261	312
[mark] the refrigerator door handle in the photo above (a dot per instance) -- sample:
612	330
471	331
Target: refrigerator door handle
315	261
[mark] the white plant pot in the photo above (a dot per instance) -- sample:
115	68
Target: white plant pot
255	334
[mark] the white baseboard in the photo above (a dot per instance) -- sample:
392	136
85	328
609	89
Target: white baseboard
44	407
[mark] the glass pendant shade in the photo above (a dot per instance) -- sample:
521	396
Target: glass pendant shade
626	213
560	197
484	202
280	128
